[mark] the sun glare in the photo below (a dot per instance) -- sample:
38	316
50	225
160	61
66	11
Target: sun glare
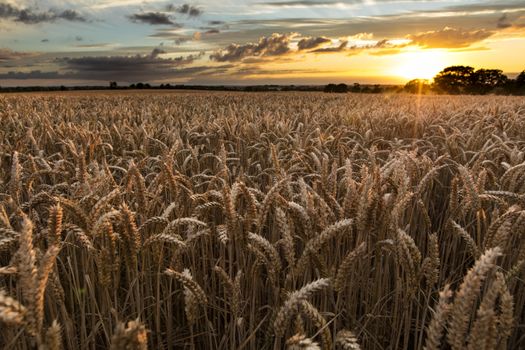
420	64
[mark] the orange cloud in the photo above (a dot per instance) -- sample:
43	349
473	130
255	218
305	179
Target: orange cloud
449	38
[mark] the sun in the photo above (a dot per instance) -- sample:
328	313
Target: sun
419	64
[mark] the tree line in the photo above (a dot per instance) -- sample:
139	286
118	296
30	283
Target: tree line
456	80
453	80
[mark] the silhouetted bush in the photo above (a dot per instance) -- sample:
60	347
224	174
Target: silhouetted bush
339	88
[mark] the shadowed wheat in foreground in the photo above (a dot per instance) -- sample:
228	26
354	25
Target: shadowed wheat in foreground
261	221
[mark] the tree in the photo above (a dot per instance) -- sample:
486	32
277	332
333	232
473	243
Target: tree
454	79
113	85
356	88
520	79
417	86
377	89
341	88
486	80
519	84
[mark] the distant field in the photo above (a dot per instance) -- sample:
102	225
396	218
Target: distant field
82	93
213	220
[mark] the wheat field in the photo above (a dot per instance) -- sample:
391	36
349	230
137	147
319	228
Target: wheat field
261	221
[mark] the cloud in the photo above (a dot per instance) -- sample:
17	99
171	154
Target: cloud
7	55
199	35
273	45
503	22
125	68
449	38
340	48
185	9
44	40
384	46
36	74
304	3
487	6
312	42
156	51
71	15
128	74
95	45
152	18
277	46
31	16
258	70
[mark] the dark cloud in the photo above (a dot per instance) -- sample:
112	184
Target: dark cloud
125	68
216	23
71	15
36	74
312	42
449	38
31	16
185	9
181	40
273	45
44	40
79	38
503	22
156	51
153	18
384	46
123	76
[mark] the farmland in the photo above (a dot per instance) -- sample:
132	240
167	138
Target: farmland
261	221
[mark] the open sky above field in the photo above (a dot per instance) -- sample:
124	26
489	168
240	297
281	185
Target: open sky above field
49	42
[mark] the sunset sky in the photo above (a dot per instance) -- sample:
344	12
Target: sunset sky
50	42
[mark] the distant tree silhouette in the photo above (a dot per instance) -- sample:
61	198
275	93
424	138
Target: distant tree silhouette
356	87
464	79
486	80
519	84
377	89
454	79
340	88
417	86
520	79
113	85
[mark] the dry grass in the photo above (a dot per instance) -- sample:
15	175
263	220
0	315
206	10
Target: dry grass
261	221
